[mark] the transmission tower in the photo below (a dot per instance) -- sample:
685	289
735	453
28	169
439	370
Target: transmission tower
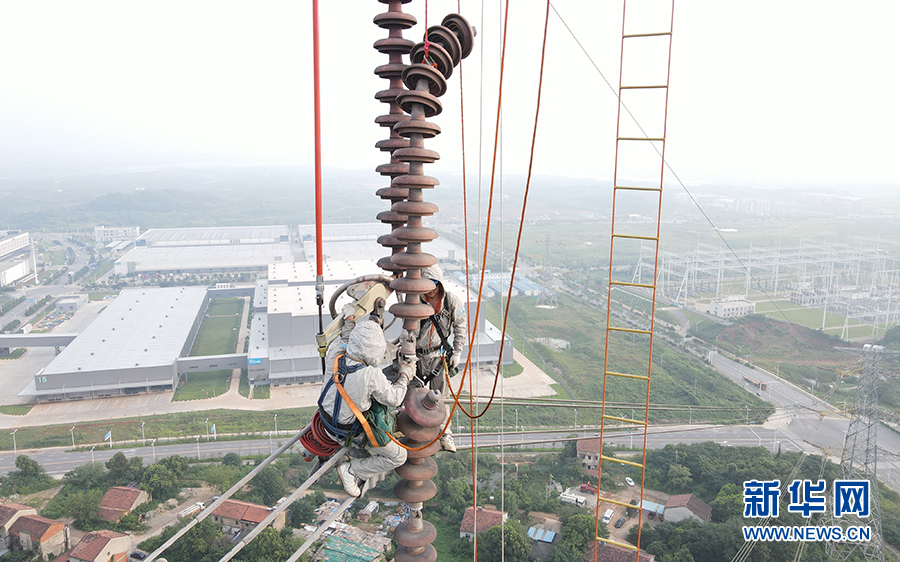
859	461
547	297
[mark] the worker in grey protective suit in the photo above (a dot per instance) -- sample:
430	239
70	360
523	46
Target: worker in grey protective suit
449	319
364	383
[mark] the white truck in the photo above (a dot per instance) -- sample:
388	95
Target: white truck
575	499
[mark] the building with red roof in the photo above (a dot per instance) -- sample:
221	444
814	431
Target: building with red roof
101	546
9	513
687	506
47	537
480	520
119	501
236	516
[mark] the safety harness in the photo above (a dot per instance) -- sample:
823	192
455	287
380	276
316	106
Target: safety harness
376	415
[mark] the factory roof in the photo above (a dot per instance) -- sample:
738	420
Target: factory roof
342	243
188	258
142	327
214	234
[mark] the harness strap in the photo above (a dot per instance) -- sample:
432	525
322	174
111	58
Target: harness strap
353	407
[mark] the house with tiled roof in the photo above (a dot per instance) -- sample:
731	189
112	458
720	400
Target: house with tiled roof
236	516
101	546
612	553
9	512
588	450
480	520
119	501
686	506
47	537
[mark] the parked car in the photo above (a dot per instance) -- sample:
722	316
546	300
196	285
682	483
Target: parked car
629	481
619	522
138	555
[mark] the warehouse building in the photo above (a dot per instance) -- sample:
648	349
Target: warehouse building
15	257
285	313
207	250
132	347
116	233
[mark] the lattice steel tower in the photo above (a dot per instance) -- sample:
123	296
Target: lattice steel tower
860	462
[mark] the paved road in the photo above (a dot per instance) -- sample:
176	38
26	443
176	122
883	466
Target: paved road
808	421
59	460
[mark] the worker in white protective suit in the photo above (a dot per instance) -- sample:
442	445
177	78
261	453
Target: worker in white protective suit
441	338
368	389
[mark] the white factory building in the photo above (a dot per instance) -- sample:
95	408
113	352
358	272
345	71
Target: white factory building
207	250
140	343
285	313
16	260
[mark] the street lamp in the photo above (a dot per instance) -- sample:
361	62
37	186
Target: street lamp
143	439
517	420
758	438
198	447
276	425
92	454
72	431
153	448
15	450
715	436
576	420
207	434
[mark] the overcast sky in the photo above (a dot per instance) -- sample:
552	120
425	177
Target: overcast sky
766	93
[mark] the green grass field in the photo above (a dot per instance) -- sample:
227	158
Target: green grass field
225	307
102	268
100	295
809	317
15	409
261	392
763	307
217	336
14	354
174	425
199	386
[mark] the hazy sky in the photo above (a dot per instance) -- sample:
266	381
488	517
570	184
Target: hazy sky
765	93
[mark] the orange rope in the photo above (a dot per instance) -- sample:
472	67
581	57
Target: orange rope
521	219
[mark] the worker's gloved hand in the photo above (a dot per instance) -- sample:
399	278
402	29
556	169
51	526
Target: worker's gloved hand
453	361
407	368
348	312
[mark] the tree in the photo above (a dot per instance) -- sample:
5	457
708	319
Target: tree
729	503
270	485
458	494
566	552
302	511
28	468
123	470
232	459
578	531
87	476
679	476
268	545
82	506
177	464
159	481
515	545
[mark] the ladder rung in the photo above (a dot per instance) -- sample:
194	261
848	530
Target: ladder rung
620	461
630	330
617	543
660	34
641	87
636	237
625	420
617	502
628	188
627	376
626	284
640	139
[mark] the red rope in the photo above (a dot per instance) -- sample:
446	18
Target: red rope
317	441
522	218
